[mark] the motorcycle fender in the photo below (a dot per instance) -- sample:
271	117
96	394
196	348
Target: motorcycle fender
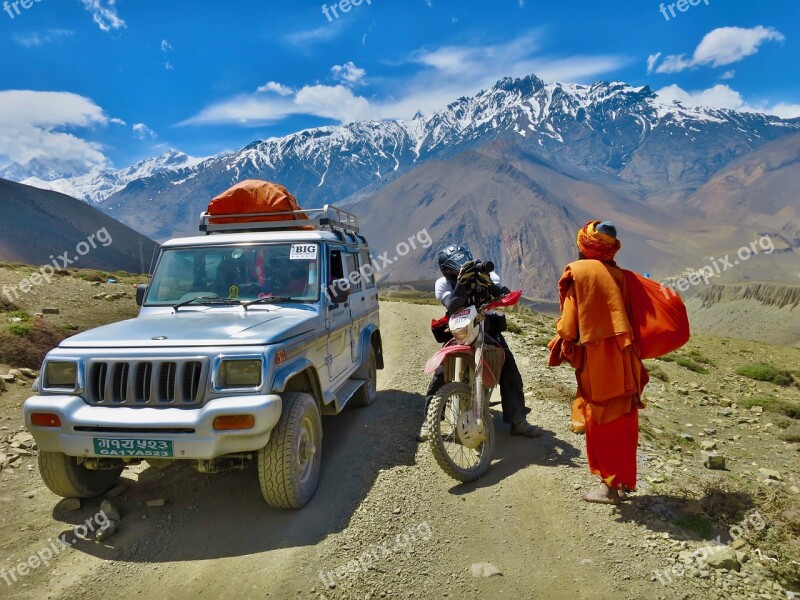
438	358
467	353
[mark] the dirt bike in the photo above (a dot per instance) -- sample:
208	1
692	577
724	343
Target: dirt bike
459	422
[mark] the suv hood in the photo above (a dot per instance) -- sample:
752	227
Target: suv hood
205	327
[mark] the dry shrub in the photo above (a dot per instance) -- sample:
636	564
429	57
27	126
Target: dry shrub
29	350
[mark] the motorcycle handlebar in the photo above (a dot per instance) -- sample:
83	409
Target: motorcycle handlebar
508	300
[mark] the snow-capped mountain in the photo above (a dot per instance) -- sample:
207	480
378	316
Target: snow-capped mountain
609	132
99	184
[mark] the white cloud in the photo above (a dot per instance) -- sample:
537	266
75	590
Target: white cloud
786	111
334	102
651	61
168	66
41	125
276	88
166	46
728	45
309	37
728	75
142	131
104	14
723	96
348	73
719	96
331	102
719	47
440	76
40	38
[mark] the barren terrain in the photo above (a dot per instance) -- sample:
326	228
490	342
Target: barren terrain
381	494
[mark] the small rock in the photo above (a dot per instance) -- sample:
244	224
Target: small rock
106	531
757	409
396	511
29	373
708	445
485	570
769	474
51	311
111	511
725	402
71	503
742	557
688	437
722	557
155	503
771	483
737	544
713	460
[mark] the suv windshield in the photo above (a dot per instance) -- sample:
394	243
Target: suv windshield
242	272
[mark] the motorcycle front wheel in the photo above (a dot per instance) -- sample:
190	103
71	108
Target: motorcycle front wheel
458	461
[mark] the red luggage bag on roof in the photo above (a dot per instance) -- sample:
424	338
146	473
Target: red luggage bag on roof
250	197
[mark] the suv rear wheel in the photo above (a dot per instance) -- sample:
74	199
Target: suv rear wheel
368	392
68	479
288	466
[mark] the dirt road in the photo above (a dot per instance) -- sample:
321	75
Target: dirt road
381	501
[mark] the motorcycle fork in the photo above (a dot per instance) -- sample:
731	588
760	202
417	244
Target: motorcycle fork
477	406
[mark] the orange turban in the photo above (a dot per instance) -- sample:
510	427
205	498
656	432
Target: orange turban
595	244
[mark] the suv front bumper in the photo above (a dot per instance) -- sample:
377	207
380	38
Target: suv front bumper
81	423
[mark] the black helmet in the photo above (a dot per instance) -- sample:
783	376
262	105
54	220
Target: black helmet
452	258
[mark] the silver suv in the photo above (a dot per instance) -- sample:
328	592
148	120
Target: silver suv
246	335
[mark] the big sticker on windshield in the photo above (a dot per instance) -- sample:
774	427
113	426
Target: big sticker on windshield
303	252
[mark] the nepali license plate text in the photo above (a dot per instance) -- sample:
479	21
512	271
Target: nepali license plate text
133	447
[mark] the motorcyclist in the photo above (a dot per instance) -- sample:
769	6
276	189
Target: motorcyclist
466	282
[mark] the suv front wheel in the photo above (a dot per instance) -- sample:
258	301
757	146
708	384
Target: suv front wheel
67	478
288	466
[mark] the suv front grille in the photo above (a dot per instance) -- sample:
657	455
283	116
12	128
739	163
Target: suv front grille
137	383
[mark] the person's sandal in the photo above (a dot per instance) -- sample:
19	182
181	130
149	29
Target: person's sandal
525	429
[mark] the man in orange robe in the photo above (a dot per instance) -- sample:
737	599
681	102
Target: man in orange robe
594	336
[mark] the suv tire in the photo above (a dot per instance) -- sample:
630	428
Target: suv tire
288	466
66	478
368	392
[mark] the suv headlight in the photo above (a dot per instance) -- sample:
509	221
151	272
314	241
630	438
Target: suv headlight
233	373
61	375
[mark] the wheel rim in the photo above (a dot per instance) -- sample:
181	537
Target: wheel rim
306	449
452	408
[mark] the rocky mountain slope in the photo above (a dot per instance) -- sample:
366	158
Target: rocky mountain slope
36	225
602	130
99	184
514	171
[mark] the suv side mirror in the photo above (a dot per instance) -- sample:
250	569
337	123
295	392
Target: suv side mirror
141	292
338	292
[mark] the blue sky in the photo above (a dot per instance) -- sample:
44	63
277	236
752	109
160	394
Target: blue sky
104	82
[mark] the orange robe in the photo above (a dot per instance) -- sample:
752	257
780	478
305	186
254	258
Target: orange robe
594	336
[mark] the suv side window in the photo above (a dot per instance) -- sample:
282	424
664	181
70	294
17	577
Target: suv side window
352	271
335	269
368	276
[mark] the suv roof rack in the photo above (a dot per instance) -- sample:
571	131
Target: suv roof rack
328	218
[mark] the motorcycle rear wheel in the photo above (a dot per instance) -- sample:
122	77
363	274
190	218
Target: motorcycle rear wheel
457	461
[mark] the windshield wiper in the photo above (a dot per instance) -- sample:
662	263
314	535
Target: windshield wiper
207	300
267	299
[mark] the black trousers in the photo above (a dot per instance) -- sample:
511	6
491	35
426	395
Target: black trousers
512	395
